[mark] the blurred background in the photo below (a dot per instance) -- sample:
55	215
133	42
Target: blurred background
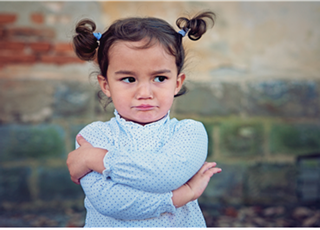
253	81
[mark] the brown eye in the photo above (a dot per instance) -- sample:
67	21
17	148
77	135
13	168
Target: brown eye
160	78
128	79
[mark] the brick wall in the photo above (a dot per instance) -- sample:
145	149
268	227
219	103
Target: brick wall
257	139
42	109
256	92
31	44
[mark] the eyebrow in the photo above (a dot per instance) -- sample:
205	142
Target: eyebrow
124	72
161	71
127	72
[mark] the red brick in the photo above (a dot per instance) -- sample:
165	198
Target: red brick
29	33
10	53
8	45
37	18
63	48
13	58
2	32
59	59
40	46
7	18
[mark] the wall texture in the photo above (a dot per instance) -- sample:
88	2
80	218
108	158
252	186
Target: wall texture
253	81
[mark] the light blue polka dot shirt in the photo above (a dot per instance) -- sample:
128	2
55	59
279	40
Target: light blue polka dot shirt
143	165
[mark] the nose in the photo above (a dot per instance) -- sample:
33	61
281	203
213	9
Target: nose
144	91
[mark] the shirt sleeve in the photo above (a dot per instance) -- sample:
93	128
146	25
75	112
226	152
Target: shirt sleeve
124	202
165	170
118	200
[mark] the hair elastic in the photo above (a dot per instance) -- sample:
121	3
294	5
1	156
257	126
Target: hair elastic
182	32
97	35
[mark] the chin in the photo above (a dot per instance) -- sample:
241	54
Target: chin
146	120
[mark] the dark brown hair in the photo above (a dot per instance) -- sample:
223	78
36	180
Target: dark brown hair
136	29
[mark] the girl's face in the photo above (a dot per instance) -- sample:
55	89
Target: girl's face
141	82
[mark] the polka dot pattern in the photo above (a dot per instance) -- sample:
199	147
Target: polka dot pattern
143	165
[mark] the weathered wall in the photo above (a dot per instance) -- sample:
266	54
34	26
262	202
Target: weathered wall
253	81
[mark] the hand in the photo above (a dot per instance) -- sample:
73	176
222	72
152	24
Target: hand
195	186
85	159
200	180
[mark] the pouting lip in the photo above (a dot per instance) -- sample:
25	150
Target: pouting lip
144	107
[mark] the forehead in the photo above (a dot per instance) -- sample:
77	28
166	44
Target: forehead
126	52
143	44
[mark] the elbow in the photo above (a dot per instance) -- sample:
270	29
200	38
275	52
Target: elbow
105	206
123	213
108	210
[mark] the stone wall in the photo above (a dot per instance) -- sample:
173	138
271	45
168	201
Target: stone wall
253	80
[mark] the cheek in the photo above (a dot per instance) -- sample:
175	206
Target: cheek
120	100
166	99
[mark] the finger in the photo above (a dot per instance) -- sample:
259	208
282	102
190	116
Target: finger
210	172
81	141
211	164
207	165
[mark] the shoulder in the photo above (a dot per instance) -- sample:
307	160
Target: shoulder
98	131
186	123
188	126
94	127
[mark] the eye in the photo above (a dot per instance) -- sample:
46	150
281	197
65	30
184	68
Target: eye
128	79
160	78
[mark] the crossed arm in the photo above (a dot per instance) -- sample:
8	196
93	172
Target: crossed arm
99	191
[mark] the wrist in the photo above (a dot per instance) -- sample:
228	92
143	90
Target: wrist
190	192
94	160
87	160
182	196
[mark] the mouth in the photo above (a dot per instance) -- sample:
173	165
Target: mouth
144	107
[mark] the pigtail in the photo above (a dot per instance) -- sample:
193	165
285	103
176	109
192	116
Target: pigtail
196	26
84	42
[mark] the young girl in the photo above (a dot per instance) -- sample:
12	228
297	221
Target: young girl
141	168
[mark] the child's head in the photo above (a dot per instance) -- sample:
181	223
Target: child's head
139	35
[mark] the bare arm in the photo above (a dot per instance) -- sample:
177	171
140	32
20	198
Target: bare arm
193	189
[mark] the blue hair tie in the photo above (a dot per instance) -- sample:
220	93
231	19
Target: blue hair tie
97	35
182	32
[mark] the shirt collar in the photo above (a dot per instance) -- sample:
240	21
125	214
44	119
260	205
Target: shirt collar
155	124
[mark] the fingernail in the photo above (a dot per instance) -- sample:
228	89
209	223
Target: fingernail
79	135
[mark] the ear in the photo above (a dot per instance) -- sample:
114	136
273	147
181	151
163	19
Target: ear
104	85
180	79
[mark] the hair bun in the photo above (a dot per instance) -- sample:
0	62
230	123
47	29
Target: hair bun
85	43
196	26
